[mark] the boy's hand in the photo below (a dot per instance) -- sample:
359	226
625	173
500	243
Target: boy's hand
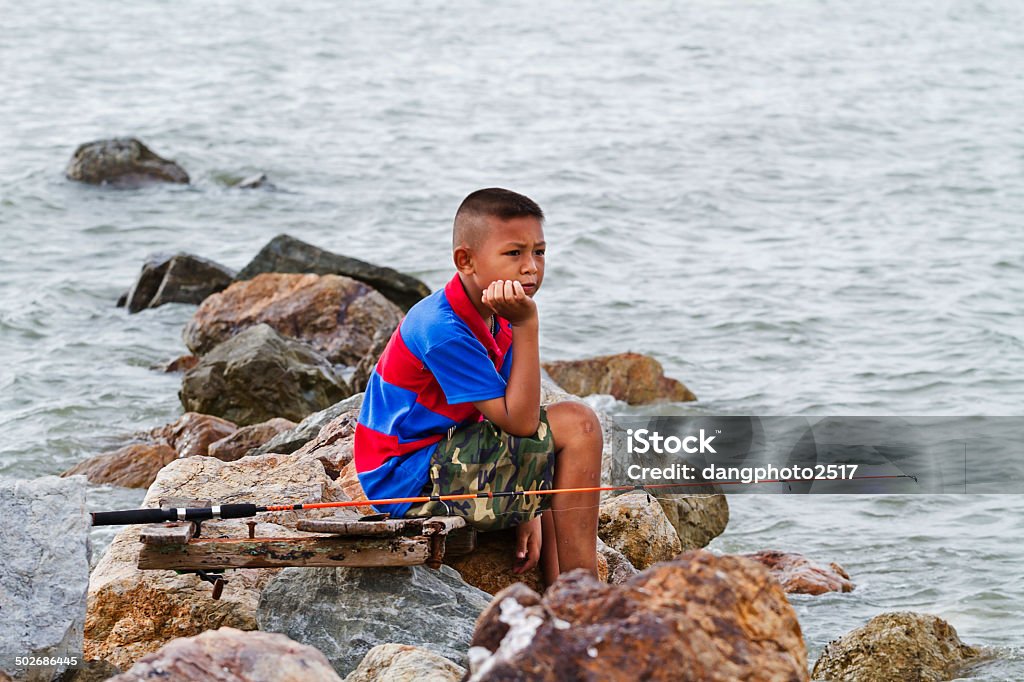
527	546
508	299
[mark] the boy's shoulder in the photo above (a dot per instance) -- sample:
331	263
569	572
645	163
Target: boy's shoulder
432	321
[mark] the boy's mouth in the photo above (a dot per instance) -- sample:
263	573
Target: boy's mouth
529	288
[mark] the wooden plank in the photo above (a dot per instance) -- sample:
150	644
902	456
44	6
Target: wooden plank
167	533
212	553
355	528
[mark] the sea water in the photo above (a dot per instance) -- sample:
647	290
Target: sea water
799	208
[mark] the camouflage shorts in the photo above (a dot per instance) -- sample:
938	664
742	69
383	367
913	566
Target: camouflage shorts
483	458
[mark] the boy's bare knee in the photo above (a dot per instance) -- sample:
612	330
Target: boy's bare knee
570	420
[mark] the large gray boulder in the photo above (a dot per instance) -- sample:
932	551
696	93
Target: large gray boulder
345	612
285	253
176	278
44	575
258	375
122	162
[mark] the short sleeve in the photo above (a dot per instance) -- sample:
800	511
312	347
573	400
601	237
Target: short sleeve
464	371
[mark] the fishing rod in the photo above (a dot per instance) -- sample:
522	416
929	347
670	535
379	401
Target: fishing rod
245	510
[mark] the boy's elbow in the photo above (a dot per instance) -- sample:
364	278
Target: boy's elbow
524	428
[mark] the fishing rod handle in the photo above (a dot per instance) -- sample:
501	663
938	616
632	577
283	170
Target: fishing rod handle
133	516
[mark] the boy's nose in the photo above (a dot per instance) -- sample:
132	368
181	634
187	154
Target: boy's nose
530	266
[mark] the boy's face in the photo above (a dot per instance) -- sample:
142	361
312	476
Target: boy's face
511	250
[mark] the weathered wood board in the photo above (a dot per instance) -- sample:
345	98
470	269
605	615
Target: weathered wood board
217	553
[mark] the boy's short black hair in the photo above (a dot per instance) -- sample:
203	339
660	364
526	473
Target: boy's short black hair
496	202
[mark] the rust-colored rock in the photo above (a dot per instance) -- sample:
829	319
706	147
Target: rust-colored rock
335	315
634	378
236	445
181	363
700	618
911	647
133	466
799	575
230	655
490	628
192	433
136	465
348	481
636	525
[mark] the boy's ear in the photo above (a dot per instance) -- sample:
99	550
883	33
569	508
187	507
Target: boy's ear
463	258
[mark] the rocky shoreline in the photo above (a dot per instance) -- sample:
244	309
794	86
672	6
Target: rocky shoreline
280	352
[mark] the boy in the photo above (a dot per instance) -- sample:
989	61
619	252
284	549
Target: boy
450	408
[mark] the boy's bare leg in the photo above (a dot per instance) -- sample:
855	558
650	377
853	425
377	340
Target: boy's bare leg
578	442
548	549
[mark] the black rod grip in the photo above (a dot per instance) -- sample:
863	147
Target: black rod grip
237	511
129	516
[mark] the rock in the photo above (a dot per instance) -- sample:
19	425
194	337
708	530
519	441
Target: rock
333	445
631	377
348	480
638	528
133	466
289	255
490	627
180	364
619	568
44	576
177	278
799	575
122	162
91	671
258	375
258	181
133	613
337	316
309	428
404	663
698	617
902	645
193	433
345	612
489	566
230	655
366	366
698	519
236	445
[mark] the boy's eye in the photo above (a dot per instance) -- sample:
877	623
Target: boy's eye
539	252
513	252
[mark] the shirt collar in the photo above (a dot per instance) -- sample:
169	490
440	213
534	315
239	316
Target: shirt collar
457	298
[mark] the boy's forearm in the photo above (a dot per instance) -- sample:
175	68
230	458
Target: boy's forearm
522	396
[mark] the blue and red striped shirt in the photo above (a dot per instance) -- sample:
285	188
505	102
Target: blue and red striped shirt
441	359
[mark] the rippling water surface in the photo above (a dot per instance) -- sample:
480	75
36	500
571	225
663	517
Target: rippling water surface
798	207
